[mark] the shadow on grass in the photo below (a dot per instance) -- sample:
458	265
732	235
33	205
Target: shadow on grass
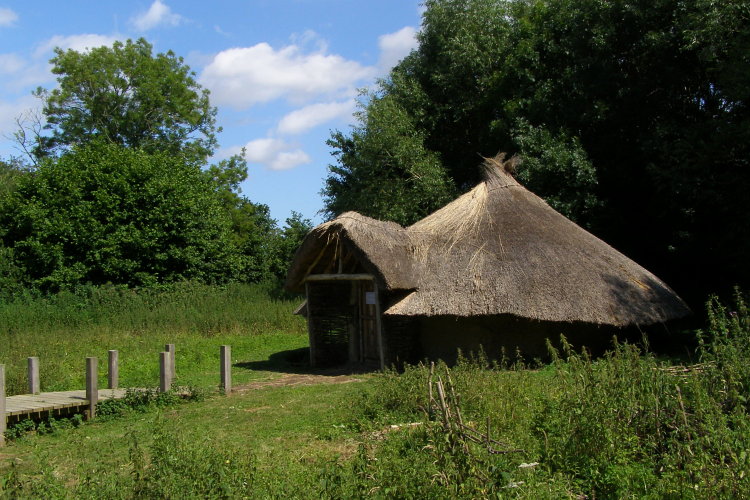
298	361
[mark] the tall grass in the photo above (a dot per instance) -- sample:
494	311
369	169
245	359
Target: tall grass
623	426
627	425
65	328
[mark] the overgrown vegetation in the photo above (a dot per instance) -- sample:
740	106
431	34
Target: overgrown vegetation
628	425
65	328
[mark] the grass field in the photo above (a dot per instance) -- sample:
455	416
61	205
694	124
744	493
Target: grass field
64	329
624	426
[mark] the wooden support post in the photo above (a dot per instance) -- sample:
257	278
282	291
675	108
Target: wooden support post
33	375
310	328
165	372
92	386
226	369
170	349
379	327
2	405
113	370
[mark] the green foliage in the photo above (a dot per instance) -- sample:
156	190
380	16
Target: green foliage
106	214
184	469
127	96
384	170
10	173
623	426
171	467
286	243
725	346
557	168
631	118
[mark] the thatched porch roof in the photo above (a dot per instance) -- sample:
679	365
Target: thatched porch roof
498	249
383	248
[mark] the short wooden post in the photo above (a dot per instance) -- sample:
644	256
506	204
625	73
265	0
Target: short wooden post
226	369
33	375
2	405
170	349
92	386
165	372
113	369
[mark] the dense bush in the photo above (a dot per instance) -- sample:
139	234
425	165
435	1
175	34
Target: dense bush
106	214
624	426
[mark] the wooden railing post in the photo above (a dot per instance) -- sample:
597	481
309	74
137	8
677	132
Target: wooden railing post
113	370
92	386
2	405
226	369
170	349
33	375
165	372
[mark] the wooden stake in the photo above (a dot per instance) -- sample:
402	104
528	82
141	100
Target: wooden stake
113	370
165	372
92	388
2	405
33	375
226	369
170	349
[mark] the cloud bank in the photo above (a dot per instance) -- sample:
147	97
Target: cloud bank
242	77
396	46
159	14
276	154
7	17
304	119
79	43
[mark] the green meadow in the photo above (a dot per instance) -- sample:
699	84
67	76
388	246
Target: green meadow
628	425
62	330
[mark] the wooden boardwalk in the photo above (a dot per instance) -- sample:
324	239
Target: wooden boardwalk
58	403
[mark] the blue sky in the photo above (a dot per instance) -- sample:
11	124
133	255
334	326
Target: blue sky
282	73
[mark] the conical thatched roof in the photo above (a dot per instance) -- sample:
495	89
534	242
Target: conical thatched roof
500	249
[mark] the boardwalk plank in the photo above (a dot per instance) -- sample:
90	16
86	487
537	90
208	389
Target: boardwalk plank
50	401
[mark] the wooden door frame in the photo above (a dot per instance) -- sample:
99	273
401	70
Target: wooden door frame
345	277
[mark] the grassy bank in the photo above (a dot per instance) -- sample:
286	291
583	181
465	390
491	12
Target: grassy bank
64	329
624	426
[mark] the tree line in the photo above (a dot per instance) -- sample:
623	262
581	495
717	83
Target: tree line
117	188
631	118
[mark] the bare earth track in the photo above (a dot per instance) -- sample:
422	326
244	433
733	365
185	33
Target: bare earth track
290	379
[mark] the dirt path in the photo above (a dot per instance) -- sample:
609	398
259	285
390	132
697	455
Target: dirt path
289	379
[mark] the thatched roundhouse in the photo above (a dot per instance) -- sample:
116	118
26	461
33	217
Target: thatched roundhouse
497	268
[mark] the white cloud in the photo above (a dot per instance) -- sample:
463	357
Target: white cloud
7	17
79	43
302	120
159	14
275	154
396	46
242	77
10	63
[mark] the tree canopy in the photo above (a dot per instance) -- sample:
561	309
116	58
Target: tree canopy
126	95
102	213
631	118
121	190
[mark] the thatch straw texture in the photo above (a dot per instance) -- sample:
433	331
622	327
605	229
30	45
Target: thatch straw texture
500	249
384	249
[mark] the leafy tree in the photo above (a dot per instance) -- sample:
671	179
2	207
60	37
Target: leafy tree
254	232
383	169
632	118
127	96
288	240
102	213
10	174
